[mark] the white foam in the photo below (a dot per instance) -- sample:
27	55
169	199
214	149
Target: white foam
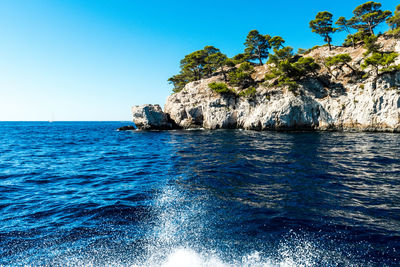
186	257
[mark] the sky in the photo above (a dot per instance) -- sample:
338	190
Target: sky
91	60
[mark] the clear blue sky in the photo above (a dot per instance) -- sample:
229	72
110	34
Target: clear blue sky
94	59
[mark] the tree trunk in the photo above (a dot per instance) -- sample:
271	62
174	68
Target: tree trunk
352	37
329	70
224	74
261	63
350	67
328	40
370	28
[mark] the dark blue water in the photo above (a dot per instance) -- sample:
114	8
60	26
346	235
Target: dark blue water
83	194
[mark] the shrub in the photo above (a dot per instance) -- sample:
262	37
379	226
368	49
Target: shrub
249	92
269	76
370	43
242	76
390	69
356	37
377	60
339	61
394	32
220	88
292	85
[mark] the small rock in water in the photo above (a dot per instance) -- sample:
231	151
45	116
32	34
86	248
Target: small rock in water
127	128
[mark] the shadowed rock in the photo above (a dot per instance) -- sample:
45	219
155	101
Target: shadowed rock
127	128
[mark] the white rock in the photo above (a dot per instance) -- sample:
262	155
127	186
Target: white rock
151	117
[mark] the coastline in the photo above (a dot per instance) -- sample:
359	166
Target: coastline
320	102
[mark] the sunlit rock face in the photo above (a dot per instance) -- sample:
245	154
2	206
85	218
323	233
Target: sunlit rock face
336	103
151	117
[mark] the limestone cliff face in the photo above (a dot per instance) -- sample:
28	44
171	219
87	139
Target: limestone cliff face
364	107
340	103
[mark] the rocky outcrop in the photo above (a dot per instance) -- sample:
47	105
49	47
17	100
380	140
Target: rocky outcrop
336	103
151	117
371	106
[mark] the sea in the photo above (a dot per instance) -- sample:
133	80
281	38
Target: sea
85	194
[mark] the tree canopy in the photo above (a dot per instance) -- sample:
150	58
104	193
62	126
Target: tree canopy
257	46
241	76
377	60
394	22
322	25
369	15
197	65
345	25
276	42
286	67
217	62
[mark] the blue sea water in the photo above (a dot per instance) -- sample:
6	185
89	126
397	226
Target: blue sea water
84	194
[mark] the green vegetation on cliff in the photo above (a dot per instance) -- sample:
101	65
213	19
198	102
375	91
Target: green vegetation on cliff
287	69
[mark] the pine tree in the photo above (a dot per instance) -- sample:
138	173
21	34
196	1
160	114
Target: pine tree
339	61
218	61
322	25
377	60
193	67
394	22
369	15
277	42
345	25
257	46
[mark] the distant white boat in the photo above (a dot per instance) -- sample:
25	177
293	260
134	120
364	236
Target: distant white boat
52	118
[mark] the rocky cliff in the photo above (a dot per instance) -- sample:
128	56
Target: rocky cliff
335	102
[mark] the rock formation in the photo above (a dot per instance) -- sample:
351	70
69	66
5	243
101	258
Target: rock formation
151	117
336	103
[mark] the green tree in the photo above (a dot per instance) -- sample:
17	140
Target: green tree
194	63
322	25
340	61
249	92
306	66
290	71
178	81
217	61
394	22
377	60
369	15
257	46
240	58
242	76
345	25
281	54
220	88
354	38
193	67
276	42
371	44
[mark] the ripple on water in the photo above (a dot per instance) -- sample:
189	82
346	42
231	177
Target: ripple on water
74	194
